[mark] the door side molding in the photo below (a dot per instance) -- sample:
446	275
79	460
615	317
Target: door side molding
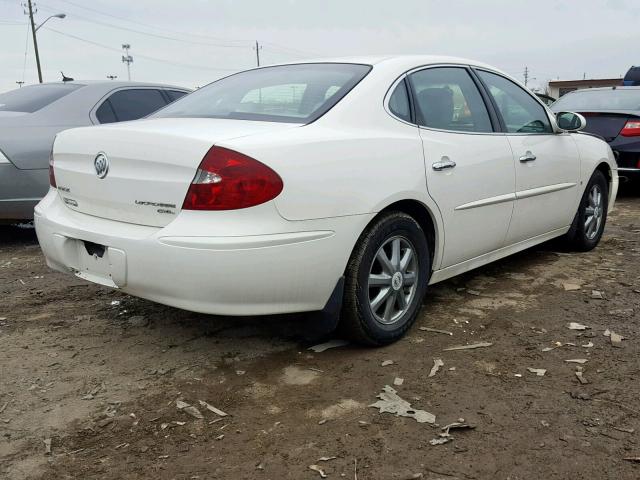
507	197
533	192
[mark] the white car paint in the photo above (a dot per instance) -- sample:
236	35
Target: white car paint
288	254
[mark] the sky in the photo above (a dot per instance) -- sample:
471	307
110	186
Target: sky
193	42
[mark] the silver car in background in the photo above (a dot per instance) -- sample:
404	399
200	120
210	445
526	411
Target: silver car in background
30	118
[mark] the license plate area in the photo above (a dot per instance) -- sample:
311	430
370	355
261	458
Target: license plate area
93	259
94	249
101	264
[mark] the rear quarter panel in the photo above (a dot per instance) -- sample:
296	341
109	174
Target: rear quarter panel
594	152
333	172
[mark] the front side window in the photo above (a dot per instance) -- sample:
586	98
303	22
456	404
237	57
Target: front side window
448	99
520	111
297	93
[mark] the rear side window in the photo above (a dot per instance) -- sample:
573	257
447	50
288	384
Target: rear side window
174	94
399	102
447	98
34	97
520	111
130	104
297	93
105	113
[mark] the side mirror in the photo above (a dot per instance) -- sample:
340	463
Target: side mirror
570	122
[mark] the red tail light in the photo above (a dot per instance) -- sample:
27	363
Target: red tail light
631	129
228	180
52	175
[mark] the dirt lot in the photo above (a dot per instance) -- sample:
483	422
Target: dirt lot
98	374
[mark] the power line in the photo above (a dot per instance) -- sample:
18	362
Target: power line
147	57
149	34
154	27
167	37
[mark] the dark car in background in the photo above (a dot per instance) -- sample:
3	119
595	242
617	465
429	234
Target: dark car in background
632	77
30	118
612	113
546	99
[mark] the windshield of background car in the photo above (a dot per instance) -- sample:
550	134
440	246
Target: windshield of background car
288	93
605	100
34	97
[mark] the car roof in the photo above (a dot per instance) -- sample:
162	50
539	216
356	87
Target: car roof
110	84
397	61
600	89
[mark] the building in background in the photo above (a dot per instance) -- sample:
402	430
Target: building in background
558	88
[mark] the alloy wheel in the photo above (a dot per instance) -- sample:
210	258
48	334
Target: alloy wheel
594	212
392	280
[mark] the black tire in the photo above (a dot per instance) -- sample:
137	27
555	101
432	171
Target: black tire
579	238
358	320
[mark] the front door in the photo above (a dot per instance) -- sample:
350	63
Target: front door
547	164
469	167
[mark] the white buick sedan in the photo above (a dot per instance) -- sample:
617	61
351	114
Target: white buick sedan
341	186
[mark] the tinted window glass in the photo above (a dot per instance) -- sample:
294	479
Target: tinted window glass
174	94
448	99
133	104
399	102
587	100
105	113
34	97
632	77
287	93
520	111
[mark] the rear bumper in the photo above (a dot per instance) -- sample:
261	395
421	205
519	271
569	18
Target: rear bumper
629	174
20	191
276	272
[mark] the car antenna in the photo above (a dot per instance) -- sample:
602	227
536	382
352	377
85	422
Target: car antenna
65	78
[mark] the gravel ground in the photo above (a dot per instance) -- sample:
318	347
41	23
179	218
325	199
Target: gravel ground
90	378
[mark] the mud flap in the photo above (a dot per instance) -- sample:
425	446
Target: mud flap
323	323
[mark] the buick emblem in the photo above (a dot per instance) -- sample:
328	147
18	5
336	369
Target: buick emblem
101	163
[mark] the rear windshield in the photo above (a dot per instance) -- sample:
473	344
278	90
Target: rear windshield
603	100
288	93
34	97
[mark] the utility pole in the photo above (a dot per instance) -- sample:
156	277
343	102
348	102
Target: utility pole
258	48
128	59
526	75
35	40
20	83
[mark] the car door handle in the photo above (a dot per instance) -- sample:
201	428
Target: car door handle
443	164
528	157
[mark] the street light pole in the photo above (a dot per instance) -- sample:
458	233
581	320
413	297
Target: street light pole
35	40
34	29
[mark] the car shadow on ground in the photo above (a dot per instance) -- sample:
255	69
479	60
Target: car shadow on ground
292	329
16	235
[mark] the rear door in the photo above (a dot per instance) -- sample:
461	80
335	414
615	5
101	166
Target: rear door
547	164
469	166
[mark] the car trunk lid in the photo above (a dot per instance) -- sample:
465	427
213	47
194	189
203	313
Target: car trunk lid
149	165
607	124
